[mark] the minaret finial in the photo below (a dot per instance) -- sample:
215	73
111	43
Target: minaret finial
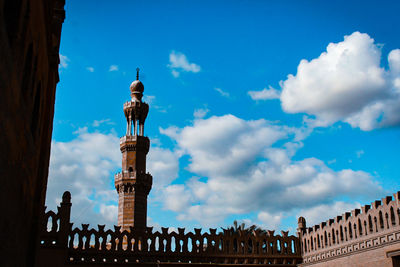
137	73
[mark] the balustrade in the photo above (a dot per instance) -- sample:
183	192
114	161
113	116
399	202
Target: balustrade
382	217
86	244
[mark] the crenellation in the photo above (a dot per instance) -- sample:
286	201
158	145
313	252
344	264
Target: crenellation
365	208
355	212
271	233
386	200
397	197
375	223
376	204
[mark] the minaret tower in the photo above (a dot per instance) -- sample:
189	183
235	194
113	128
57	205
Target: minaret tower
133	184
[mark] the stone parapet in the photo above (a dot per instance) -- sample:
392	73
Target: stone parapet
370	227
127	181
84	246
358	249
136	110
134	143
225	248
134	104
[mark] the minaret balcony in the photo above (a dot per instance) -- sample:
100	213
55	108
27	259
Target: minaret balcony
133	177
131	104
125	175
134	143
128	138
136	107
133	138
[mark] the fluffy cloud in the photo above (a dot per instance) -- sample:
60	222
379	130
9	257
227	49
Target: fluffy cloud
246	172
149	99
264	94
222	92
163	164
113	68
224	145
85	167
359	153
270	221
63	61
200	113
90	69
323	212
346	83
178	62
97	123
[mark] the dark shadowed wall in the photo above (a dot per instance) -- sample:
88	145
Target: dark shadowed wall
29	43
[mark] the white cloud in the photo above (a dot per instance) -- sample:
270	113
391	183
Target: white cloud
163	164
332	161
151	223
97	123
109	212
222	92
176	198
346	83
323	212
90	69
394	61
63	61
359	153
113	68
178	62
200	113
149	98
270	221
175	73
247	165
264	94
246	172
85	167
224	144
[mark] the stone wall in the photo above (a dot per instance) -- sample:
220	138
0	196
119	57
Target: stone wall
366	237
29	43
83	246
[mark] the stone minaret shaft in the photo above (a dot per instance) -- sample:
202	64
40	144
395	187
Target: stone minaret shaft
133	184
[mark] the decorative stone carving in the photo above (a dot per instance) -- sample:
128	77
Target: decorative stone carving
84	245
372	227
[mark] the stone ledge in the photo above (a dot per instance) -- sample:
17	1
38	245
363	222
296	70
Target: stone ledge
361	246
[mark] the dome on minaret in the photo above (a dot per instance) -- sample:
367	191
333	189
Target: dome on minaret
137	88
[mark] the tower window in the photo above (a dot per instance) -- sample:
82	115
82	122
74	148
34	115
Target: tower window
130	169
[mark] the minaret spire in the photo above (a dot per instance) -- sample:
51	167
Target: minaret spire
133	184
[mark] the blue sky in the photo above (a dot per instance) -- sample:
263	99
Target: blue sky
260	111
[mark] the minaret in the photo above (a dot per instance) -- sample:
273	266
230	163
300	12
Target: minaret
133	184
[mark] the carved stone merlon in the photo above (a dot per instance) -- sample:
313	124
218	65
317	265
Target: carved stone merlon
370	228
301	226
141	246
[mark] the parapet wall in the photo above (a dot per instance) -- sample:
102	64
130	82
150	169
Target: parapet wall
373	227
66	245
30	32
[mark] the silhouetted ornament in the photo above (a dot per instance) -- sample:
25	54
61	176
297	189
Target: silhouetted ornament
137	87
